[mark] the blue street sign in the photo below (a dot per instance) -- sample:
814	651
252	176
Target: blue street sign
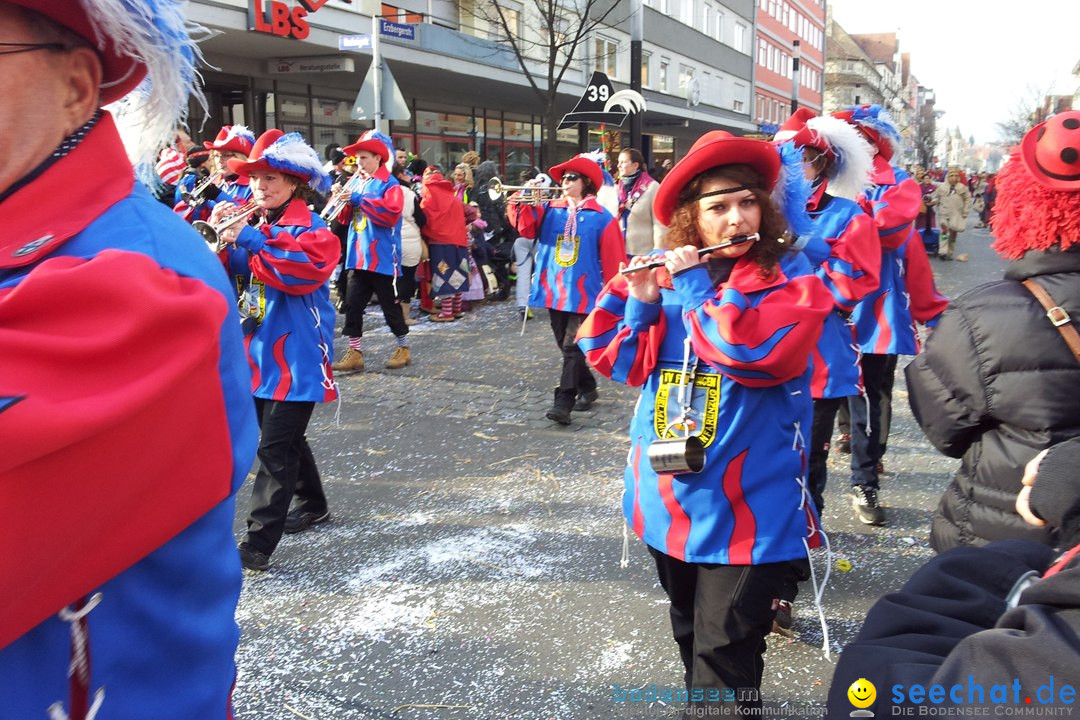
354	42
397	31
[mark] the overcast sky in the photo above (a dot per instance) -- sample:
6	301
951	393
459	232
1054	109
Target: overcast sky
981	58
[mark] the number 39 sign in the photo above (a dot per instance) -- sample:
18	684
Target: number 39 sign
601	104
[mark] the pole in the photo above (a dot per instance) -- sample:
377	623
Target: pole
637	30
794	76
376	60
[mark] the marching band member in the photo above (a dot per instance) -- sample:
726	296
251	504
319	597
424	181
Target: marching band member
885	319
125	414
233	142
373	257
579	248
290	348
721	349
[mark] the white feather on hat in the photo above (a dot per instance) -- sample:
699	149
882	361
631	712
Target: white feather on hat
853	157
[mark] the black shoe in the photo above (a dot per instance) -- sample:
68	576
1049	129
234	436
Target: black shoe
865	501
298	521
252	559
559	414
586	400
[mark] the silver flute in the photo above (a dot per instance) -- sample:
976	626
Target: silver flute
737	240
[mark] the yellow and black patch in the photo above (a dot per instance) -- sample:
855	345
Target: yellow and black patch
704	406
566	250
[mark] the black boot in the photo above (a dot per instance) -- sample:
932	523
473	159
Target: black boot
560	409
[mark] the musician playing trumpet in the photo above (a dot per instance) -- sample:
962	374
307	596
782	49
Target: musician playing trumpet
233	142
290	328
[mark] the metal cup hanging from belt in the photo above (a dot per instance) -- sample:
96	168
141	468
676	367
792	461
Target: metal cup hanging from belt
674	456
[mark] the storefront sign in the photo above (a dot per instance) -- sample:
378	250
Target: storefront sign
278	18
398	31
292	66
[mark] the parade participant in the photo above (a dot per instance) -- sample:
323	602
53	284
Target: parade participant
846	255
126	413
233	142
343	168
196	159
976	621
579	248
448	244
721	349
997	382
953	201
885	319
291	340
373	257
634	181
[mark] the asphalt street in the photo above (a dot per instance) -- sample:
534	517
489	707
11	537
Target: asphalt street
472	565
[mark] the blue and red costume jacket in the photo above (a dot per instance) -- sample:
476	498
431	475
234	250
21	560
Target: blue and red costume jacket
570	271
237	190
846	253
291	348
126	416
375	231
885	319
749	402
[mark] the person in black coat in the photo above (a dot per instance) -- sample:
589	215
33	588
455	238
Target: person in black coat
997	382
995	627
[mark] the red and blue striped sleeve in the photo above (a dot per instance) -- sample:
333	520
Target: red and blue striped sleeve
757	345
526	219
895	211
293	263
927	303
621	336
853	269
383	210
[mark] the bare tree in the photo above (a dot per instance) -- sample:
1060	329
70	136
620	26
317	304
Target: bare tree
551	33
1024	116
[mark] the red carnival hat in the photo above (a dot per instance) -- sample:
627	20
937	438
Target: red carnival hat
1051	151
713	149
582	165
794	128
881	143
120	72
284	153
372	142
232	138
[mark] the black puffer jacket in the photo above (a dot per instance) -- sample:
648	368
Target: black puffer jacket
996	385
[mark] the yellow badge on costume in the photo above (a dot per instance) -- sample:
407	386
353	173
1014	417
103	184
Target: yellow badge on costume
359	221
566	250
704	405
252	300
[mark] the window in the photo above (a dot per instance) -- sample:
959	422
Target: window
646	58
664	74
511	12
665	7
605	53
706	18
686	74
740	32
792	18
687	14
719	25
762	53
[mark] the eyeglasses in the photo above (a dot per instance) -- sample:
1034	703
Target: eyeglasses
27	47
570	177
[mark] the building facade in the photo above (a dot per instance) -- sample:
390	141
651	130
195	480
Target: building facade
789	33
279	63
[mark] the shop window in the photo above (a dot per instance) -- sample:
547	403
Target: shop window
605	55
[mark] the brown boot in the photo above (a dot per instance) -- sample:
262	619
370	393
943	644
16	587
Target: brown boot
351	361
399	359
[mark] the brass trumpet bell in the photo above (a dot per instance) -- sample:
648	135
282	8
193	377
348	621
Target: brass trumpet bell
212	233
531	193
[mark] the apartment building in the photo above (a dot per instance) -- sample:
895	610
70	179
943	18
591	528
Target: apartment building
786	31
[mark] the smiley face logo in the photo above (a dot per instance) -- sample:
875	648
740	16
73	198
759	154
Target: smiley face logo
862	693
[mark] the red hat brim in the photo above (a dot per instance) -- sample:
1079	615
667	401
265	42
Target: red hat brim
1038	173
234	145
371	145
714	149
582	166
120	73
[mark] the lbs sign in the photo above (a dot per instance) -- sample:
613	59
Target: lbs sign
277	18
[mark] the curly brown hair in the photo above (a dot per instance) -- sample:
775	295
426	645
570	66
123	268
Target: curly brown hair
683	230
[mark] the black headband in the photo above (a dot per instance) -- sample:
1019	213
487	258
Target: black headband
723	192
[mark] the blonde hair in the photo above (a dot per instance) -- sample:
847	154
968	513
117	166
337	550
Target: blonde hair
467	169
471	158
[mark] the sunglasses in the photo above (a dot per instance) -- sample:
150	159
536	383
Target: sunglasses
570	177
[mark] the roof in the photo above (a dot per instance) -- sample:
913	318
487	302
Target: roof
881	47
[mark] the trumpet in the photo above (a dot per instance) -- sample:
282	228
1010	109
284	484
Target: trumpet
212	233
535	193
338	200
195	195
737	240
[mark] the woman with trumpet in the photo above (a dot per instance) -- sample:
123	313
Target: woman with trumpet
290	341
720	346
233	142
579	248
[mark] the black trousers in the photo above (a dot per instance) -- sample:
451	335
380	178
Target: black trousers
576	378
720	616
870	418
286	468
825	410
362	285
406	286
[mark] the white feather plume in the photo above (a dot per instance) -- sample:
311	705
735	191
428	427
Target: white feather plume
853	165
629	100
